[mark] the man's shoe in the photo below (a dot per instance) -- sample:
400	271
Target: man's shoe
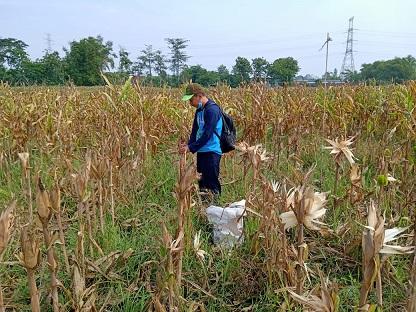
209	198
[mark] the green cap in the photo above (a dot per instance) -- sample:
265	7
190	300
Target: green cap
187	97
191	90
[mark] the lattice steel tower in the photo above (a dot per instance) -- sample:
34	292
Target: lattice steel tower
348	63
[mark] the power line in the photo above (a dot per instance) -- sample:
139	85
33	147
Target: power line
388	44
275	50
270	41
379	53
255	42
246	43
384	33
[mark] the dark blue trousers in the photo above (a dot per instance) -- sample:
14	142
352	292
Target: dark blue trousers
208	165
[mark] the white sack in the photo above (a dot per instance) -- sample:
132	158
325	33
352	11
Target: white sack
227	223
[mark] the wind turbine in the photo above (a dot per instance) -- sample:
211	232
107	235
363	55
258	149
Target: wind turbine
328	39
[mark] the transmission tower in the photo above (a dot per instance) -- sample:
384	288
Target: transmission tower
348	63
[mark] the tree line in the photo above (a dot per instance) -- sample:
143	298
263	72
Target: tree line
84	60
396	70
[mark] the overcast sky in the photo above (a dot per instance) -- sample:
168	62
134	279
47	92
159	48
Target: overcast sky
220	30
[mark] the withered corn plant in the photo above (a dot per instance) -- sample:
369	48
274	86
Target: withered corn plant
98	172
55	199
183	188
199	252
356	192
252	156
45	213
271	235
323	298
171	276
27	187
306	207
167	295
6	227
29	258
339	148
374	242
411	302
85	211
83	297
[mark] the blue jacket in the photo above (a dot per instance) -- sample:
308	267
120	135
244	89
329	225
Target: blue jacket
207	120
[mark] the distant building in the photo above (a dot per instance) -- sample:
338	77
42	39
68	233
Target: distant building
307	80
333	82
311	81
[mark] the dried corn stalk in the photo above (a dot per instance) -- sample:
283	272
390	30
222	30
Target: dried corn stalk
313	208
55	199
45	213
339	148
374	242
29	259
24	161
322	299
6	223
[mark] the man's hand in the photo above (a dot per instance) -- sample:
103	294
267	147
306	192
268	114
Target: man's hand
183	148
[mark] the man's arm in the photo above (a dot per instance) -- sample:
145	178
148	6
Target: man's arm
192	137
211	117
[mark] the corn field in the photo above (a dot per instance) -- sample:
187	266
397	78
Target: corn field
100	212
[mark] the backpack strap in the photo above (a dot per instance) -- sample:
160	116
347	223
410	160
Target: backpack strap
216	133
222	116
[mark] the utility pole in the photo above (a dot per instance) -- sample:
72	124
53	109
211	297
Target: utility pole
48	43
328	39
348	62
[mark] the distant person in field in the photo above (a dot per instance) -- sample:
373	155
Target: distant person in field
205	141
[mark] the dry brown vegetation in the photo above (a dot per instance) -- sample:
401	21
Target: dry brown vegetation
107	210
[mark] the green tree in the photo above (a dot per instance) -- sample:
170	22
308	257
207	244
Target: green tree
3	74
86	58
283	70
53	71
12	57
332	75
200	75
223	74
352	76
12	53
242	70
335	74
394	70
29	73
160	64
124	63
178	56
138	68
260	68
147	59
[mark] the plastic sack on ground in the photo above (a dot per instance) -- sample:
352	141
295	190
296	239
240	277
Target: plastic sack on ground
227	223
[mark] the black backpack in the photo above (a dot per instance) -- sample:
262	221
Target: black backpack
228	133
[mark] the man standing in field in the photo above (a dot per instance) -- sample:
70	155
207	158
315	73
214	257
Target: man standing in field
205	141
